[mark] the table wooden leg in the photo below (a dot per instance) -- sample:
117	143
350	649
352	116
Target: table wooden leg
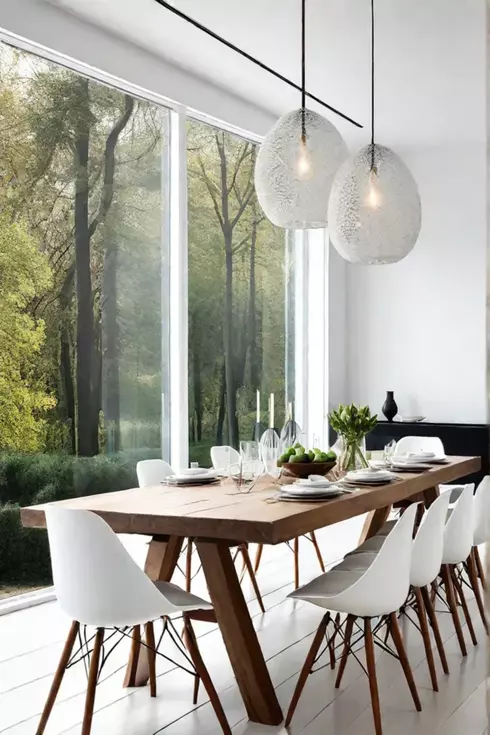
374	523
163	555
239	634
430	495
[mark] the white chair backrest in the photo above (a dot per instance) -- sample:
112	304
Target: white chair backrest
429	544
459	531
419	444
97	582
384	587
152	471
222	457
482	512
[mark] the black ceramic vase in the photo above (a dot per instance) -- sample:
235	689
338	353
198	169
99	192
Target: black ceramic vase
390	409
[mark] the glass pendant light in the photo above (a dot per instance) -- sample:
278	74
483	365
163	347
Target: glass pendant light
374	211
297	162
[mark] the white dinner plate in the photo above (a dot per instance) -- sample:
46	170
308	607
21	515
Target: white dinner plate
410	467
313	485
308	493
365	476
290	499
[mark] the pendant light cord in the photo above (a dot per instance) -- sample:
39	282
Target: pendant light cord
303	69
373	38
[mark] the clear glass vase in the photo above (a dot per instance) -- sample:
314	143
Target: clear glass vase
353	455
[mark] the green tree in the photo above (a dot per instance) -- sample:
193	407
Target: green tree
24	275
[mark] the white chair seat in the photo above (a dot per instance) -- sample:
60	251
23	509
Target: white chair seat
359	561
455	491
185	601
324	589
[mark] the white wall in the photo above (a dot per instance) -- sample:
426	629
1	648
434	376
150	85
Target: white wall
56	29
419	327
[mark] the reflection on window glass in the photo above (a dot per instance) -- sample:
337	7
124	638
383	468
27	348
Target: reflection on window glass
240	271
80	300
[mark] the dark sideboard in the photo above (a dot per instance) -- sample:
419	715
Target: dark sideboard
463	440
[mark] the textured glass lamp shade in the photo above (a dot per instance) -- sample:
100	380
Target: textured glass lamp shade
374	212
294	172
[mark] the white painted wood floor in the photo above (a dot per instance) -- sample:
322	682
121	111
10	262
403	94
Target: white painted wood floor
31	641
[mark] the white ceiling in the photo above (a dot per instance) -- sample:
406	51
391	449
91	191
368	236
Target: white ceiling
430	57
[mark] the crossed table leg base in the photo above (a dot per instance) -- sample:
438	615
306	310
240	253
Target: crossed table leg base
231	614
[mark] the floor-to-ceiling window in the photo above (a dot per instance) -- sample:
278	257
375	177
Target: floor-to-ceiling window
240	280
82	259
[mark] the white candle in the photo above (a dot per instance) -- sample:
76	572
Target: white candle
258	407
271	423
290	410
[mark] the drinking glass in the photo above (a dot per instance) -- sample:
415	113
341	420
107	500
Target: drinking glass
249	451
244	473
389	452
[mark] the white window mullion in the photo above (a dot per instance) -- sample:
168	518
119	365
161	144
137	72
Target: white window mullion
316	375
301	329
179	425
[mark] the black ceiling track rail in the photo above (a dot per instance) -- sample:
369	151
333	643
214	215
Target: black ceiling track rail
252	59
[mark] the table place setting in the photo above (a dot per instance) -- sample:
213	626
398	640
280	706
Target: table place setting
368	476
315	489
191	477
417	461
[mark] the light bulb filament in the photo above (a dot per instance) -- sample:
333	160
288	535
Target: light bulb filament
304	164
373	196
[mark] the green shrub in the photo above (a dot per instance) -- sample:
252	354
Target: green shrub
24	552
43	478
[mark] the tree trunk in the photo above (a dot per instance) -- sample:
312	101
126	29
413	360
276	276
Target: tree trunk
252	314
221	411
197	385
110	350
87	446
66	370
96	381
231	408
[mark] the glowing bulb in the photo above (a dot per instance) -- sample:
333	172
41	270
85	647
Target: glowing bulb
374	196
304	164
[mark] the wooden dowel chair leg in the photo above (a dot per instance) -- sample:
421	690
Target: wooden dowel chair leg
435	628
400	647
475	585
92	682
195	654
307	666
318	552
188	565
152	657
424	629
460	592
296	562
373	681
345	653
58	677
248	564
453	607
479	566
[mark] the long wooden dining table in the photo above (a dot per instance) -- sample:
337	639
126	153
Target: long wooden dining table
217	518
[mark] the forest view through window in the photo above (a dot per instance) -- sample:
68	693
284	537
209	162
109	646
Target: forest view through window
241	276
81	329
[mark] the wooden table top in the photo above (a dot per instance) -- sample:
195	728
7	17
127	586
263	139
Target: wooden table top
217	511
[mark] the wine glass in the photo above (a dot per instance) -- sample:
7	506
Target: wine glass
389	452
244	473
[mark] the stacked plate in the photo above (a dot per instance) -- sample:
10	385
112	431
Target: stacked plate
192	477
309	491
369	476
417	461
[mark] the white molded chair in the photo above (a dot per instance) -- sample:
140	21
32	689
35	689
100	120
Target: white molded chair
424	570
458	544
482	531
376	592
419	444
222	457
152	472
99	585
